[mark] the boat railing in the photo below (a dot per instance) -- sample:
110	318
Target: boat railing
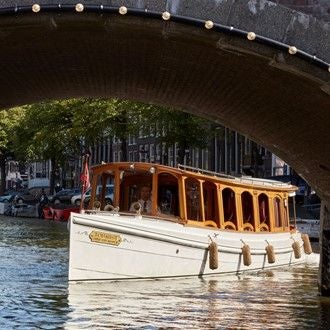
116	212
202	171
243	179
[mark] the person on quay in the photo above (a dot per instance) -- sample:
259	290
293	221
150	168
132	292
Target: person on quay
43	201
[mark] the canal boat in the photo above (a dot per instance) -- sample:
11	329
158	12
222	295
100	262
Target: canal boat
58	212
194	223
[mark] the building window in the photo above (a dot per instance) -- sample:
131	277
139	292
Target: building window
158	129
102	152
130	156
205	159
196	157
152	130
131	140
106	151
176	153
152	153
144	152
170	156
135	156
158	152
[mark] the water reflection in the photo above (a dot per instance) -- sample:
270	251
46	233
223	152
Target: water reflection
33	273
275	299
34	292
32	232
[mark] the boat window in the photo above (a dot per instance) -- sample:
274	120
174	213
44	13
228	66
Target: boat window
247	208
131	186
168	201
193	199
210	201
104	192
286	214
277	212
229	204
263	212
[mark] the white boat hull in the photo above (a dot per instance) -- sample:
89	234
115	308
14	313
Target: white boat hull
121	247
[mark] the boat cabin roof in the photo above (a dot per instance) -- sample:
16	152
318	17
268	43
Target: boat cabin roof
188	171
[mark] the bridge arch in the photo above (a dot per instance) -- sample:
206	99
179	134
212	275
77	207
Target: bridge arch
254	66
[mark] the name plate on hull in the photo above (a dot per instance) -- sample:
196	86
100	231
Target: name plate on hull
105	238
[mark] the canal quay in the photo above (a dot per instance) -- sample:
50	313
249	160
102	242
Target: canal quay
35	293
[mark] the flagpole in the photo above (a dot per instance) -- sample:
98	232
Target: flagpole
84	178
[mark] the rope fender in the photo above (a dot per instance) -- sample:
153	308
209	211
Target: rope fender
307	244
270	253
247	261
296	250
213	255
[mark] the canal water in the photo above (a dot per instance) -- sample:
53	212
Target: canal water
35	293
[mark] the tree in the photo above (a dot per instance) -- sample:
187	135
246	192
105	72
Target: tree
45	133
9	121
121	118
180	127
96	119
57	130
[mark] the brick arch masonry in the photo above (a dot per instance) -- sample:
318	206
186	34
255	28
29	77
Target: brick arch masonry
317	8
250	82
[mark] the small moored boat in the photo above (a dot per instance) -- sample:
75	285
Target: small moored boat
196	223
58	212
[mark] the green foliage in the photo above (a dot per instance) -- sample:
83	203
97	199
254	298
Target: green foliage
180	127
9	121
62	128
45	132
58	130
94	119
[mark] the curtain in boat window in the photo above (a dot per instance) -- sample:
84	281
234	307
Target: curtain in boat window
167	199
210	201
247	207
193	195
263	208
277	212
229	204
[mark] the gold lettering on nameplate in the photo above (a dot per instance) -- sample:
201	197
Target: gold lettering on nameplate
106	238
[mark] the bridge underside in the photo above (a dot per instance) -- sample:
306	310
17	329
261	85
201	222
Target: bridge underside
279	100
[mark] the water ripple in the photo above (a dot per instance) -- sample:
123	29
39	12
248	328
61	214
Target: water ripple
34	292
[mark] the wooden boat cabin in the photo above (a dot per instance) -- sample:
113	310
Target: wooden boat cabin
195	197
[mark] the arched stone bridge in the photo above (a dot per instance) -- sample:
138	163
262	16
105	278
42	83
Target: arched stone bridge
255	66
